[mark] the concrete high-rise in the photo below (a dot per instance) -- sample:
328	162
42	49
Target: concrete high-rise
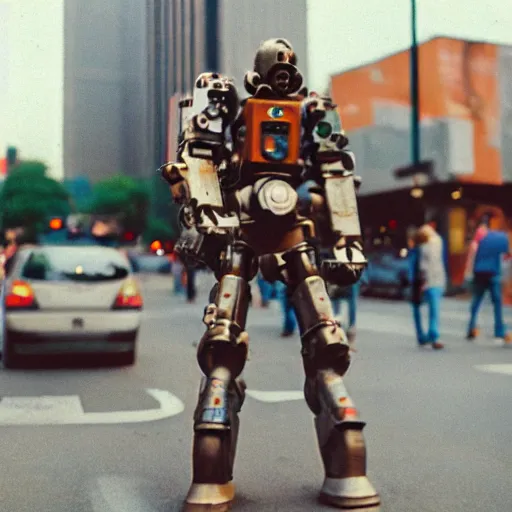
91	87
222	35
73	85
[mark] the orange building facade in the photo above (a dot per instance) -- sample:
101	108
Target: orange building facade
465	98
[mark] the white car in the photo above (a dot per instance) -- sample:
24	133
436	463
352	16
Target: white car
71	300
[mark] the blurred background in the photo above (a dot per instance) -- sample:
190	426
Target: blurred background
89	94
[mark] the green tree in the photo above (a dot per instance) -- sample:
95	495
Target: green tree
158	229
123	197
29	197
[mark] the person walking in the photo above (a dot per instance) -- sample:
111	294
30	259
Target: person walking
428	284
480	233
191	284
287	310
267	290
177	269
487	277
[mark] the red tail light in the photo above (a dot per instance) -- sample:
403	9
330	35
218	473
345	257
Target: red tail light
128	297
21	296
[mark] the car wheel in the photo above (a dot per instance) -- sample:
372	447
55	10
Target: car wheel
9	356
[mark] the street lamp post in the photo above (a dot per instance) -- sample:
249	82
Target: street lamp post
415	100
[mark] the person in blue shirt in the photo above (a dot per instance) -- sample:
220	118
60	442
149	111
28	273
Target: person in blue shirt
487	277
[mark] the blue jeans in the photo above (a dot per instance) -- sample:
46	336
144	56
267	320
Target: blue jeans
352	304
494	288
289	318
432	297
266	289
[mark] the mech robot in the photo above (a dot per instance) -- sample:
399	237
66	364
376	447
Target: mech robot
263	183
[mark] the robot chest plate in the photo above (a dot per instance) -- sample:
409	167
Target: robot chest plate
272	131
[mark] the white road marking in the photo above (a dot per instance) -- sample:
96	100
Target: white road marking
67	410
117	494
504	369
275	396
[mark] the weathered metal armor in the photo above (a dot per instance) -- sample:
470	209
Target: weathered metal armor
263	183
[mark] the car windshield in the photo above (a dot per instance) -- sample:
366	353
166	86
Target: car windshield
75	264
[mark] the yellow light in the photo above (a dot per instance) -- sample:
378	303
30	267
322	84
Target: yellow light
417	192
155	245
456	194
79	269
56	224
403	252
383	229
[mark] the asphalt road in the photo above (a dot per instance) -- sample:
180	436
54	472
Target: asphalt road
439	424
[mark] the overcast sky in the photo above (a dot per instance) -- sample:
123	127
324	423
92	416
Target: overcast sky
346	33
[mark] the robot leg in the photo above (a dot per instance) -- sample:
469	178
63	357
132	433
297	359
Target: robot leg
221	355
325	353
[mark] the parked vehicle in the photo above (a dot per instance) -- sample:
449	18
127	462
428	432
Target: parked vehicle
149	262
71	300
387	274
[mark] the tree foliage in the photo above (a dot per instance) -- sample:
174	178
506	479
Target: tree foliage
158	229
29	197
124	197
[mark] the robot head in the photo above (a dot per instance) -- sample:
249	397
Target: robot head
275	66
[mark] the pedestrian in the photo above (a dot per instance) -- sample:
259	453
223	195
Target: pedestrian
428	284
267	290
487	276
287	310
191	285
177	274
480	233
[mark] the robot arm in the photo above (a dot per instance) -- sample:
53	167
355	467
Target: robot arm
333	202
195	178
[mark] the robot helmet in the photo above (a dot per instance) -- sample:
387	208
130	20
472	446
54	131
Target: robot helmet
275	65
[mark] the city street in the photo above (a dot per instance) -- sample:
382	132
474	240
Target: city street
439	423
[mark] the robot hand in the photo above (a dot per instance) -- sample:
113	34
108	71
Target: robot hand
347	265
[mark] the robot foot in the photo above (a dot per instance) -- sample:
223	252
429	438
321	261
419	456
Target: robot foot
352	493
209	498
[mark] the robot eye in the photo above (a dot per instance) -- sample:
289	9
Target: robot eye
217	85
323	129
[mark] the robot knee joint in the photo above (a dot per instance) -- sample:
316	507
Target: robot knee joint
223	345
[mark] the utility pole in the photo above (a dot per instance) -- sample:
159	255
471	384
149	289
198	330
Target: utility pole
415	100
